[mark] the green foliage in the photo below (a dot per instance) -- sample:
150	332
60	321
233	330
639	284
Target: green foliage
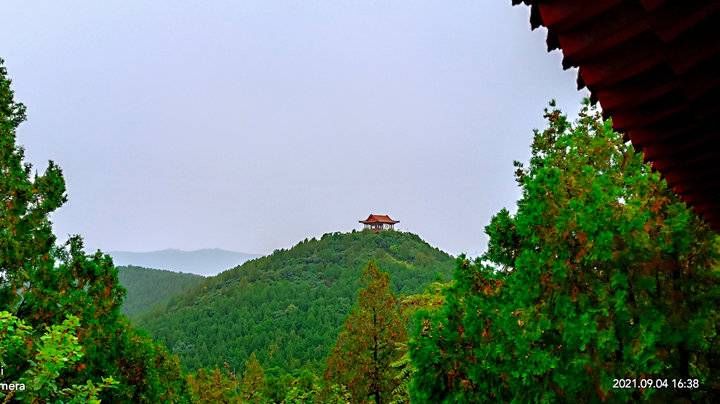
311	390
58	349
214	387
146	371
148	288
404	371
74	296
368	342
601	274
252	385
25	231
222	386
49	358
288	307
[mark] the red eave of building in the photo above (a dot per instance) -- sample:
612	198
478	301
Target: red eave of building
383	219
654	66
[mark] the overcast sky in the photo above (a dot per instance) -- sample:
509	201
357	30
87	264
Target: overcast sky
250	125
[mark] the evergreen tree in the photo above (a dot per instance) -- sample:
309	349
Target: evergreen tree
26	239
602	274
252	385
367	346
43	284
58	349
214	387
313	391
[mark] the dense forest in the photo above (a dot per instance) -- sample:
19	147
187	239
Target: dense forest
600	274
287	307
146	288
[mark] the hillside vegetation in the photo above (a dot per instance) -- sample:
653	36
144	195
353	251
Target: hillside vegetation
148	288
288	307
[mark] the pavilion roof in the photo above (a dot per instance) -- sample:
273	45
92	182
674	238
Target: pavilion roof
654	66
380	219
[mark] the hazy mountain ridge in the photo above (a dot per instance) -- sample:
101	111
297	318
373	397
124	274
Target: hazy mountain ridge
206	262
288	307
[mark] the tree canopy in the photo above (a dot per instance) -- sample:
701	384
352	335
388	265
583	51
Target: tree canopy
601	274
75	297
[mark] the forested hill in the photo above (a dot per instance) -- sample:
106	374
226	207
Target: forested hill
147	288
288	307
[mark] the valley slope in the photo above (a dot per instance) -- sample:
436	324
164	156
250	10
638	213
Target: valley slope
147	288
288	307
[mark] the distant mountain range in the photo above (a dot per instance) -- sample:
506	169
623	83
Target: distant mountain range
204	262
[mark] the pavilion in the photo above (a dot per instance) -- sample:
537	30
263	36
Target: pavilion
378	223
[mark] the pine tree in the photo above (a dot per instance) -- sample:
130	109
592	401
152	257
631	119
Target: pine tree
603	273
42	283
26	239
367	346
252	385
214	387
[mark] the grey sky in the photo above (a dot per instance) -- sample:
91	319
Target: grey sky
250	125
